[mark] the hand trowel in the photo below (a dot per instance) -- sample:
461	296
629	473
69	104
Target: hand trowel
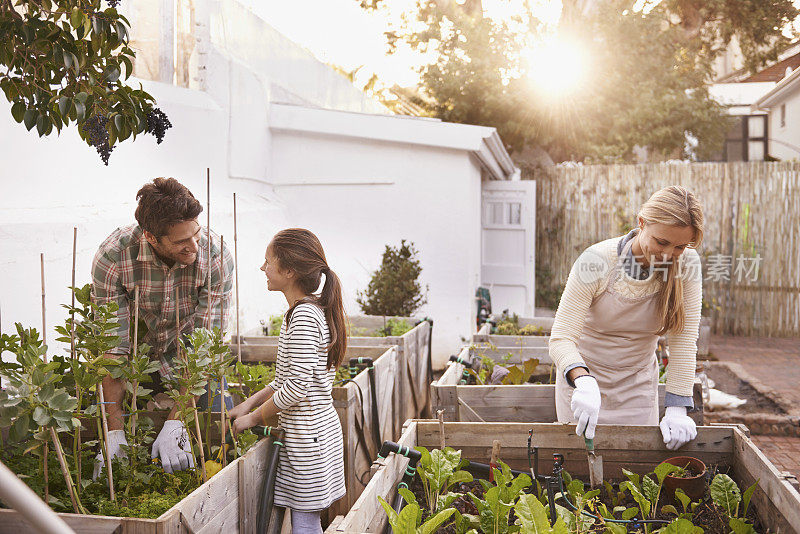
595	464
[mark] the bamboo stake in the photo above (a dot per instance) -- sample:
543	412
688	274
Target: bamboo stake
65	471
104	419
236	271
135	349
194	404
73	355
46	449
221	377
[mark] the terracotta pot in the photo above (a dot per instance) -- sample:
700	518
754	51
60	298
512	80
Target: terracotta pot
694	487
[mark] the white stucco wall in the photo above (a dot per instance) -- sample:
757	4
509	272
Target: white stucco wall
380	193
784	141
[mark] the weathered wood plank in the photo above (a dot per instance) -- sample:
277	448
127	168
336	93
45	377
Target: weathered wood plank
252	472
367	509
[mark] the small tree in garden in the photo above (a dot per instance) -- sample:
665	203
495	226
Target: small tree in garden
65	62
395	288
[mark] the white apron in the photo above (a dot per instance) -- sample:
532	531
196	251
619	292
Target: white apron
618	344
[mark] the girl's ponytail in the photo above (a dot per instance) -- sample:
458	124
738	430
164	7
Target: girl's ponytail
331	301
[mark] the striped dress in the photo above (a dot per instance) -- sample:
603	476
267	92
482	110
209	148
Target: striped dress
311	468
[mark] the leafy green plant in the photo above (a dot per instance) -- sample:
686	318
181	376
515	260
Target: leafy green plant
532	517
439	470
409	520
498	499
395	288
725	494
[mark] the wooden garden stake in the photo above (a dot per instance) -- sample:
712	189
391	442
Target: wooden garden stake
194	404
135	349
44	342
73	354
440	416
104	419
236	271
221	377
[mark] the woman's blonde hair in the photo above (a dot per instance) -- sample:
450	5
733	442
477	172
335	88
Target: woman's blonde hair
674	206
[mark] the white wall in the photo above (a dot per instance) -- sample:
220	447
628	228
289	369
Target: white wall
380	193
784	141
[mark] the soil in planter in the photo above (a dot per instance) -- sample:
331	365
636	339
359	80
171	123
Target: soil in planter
707	515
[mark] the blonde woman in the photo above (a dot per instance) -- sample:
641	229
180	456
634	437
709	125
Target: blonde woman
621	295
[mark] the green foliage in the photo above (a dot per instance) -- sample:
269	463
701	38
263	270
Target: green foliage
651	98
253	377
66	62
394	288
725	494
681	526
532	517
439	470
518	374
409	520
274	326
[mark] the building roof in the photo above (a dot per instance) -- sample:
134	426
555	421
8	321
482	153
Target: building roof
776	72
481	141
779	93
739	97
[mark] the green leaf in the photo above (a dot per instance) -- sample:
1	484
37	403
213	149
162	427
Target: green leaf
19	430
740	526
30	118
41	125
431	525
683	498
407	495
630	513
681	526
641	500
663	469
18	111
725	493
40	416
76	18
650	489
531	515
748	494
633	477
669	509
64	104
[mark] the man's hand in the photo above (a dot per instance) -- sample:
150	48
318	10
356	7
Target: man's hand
677	428
172	446
586	405
244	422
116	438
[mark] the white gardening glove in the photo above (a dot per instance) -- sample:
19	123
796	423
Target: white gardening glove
586	405
172	446
115	439
677	428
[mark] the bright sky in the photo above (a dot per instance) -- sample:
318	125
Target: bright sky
339	32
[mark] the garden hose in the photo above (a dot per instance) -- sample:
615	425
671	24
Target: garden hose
355	363
555	485
268	488
466	364
411	470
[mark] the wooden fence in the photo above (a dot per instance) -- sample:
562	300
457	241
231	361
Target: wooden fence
752	223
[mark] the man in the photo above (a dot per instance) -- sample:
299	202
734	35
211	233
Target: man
167	249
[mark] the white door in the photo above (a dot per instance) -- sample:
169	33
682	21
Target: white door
508	239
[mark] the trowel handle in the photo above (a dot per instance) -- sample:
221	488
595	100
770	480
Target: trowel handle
589	444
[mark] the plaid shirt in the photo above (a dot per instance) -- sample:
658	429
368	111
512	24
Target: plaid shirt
126	260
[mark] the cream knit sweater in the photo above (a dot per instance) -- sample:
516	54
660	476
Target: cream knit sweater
581	291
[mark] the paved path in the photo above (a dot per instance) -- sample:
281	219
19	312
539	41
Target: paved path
775	362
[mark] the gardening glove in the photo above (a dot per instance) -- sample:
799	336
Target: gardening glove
116	438
586	405
677	428
172	446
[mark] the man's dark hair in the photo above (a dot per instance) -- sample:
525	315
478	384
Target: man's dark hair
163	203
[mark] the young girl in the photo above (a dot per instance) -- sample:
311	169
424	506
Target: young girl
311	347
621	295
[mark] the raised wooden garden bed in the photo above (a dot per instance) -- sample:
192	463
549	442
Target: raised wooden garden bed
636	448
484	335
508	403
413	349
227	503
766	411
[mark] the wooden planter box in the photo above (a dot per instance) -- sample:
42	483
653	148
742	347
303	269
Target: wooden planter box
411	382
228	503
533	403
637	448
484	335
